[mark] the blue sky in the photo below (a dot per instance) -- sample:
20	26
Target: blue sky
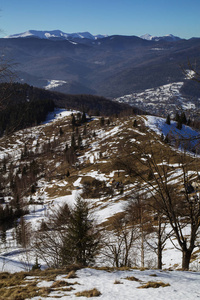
126	17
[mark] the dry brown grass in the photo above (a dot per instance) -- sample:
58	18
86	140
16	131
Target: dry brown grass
59	283
23	292
132	278
72	274
153	275
18	286
88	293
153	284
57	191
194	255
107	269
9	280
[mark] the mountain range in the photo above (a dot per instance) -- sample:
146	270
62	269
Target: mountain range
58	34
55	34
110	66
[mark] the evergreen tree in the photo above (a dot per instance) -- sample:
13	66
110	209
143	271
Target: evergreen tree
33	189
102	121
77	131
80	145
83	118
168	120
84	130
66	148
179	124
135	123
70	156
73	142
36	266
166	139
61	131
73	121
162	137
183	118
82	239
189	122
177	117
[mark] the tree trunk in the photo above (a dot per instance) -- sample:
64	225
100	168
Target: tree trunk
160	244
142	250
186	255
159	266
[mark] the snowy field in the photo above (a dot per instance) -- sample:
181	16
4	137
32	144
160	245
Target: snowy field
159	126
127	285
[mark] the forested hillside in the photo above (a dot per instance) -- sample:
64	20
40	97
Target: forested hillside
25	106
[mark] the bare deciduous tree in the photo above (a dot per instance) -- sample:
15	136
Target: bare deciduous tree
48	241
170	198
118	246
158	237
178	205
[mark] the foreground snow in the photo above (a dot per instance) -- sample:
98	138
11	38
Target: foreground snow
116	285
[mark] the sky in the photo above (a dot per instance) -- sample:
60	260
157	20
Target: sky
124	17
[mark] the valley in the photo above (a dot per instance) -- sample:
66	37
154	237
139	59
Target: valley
110	66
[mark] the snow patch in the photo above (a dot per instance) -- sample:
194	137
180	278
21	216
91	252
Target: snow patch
54	83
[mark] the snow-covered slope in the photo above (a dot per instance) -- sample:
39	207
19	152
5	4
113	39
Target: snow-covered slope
159	125
94	162
106	284
163	100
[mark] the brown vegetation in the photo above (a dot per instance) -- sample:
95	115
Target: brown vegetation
88	293
153	284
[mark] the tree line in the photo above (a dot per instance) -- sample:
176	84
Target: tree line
23	105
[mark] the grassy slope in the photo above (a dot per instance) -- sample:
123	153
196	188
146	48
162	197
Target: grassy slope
98	159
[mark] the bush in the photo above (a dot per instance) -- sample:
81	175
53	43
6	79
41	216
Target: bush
90	293
153	284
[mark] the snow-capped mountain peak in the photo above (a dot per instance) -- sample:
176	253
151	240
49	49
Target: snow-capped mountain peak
168	37
55	34
60	35
147	37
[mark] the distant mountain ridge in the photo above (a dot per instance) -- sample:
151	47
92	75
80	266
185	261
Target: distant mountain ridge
58	34
168	37
110	66
55	34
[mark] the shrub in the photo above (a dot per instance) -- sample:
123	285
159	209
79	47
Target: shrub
88	293
132	278
154	284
